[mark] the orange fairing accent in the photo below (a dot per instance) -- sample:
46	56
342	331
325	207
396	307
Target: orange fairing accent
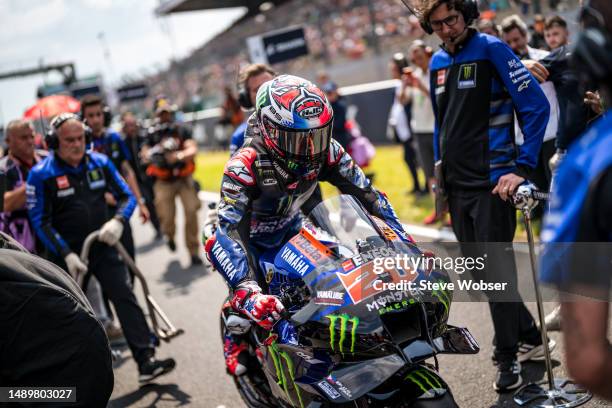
305	239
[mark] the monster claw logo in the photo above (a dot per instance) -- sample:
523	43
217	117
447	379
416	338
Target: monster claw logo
343	320
426	381
444	296
278	357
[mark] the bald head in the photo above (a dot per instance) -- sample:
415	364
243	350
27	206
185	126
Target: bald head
20	139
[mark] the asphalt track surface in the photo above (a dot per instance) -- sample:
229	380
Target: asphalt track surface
192	297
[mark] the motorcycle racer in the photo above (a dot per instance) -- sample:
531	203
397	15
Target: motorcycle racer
288	149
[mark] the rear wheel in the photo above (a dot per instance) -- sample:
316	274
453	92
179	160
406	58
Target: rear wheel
444	401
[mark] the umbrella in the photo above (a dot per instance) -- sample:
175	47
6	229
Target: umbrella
50	106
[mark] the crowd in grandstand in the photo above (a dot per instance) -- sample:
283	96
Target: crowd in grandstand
337	30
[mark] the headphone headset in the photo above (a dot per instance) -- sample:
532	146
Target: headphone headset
470	13
52	138
106	111
244	98
592	54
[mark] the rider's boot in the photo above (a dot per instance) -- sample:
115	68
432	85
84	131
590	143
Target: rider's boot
235	346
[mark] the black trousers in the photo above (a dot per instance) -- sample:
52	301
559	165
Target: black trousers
425	144
485	224
146	189
107	267
410	158
542	175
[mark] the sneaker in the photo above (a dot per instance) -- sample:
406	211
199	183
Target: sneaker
196	260
508	376
153	368
431	219
530	352
553	320
236	356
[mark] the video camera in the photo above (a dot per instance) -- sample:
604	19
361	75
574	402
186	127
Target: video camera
165	138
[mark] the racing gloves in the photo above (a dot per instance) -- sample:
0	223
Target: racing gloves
262	309
75	265
111	232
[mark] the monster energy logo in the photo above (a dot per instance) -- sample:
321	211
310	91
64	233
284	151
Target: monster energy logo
292	165
428	382
467	76
343	320
444	296
282	363
261	97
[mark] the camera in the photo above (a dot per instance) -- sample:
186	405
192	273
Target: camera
165	138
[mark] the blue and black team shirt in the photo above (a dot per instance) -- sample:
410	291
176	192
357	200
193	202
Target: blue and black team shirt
577	231
475	93
112	145
66	203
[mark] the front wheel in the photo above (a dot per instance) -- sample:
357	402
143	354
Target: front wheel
446	401
254	391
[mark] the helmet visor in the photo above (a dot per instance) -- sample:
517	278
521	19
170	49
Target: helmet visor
301	143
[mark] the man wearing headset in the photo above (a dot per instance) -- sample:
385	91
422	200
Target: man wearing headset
107	141
65	199
578	230
250	79
476	84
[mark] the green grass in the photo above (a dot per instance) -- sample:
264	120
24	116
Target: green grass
391	176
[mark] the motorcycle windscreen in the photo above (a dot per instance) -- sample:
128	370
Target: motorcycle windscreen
353	260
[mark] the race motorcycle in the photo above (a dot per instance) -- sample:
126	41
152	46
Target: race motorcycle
343	341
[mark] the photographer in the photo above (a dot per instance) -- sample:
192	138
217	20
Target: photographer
171	153
65	198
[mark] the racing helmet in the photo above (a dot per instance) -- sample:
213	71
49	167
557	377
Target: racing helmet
296	121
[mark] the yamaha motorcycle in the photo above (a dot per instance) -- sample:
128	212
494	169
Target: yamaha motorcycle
345	341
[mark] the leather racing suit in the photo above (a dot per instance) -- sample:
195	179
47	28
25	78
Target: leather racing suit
261	202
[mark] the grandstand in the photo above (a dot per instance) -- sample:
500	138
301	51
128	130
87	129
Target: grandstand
350	39
340	36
